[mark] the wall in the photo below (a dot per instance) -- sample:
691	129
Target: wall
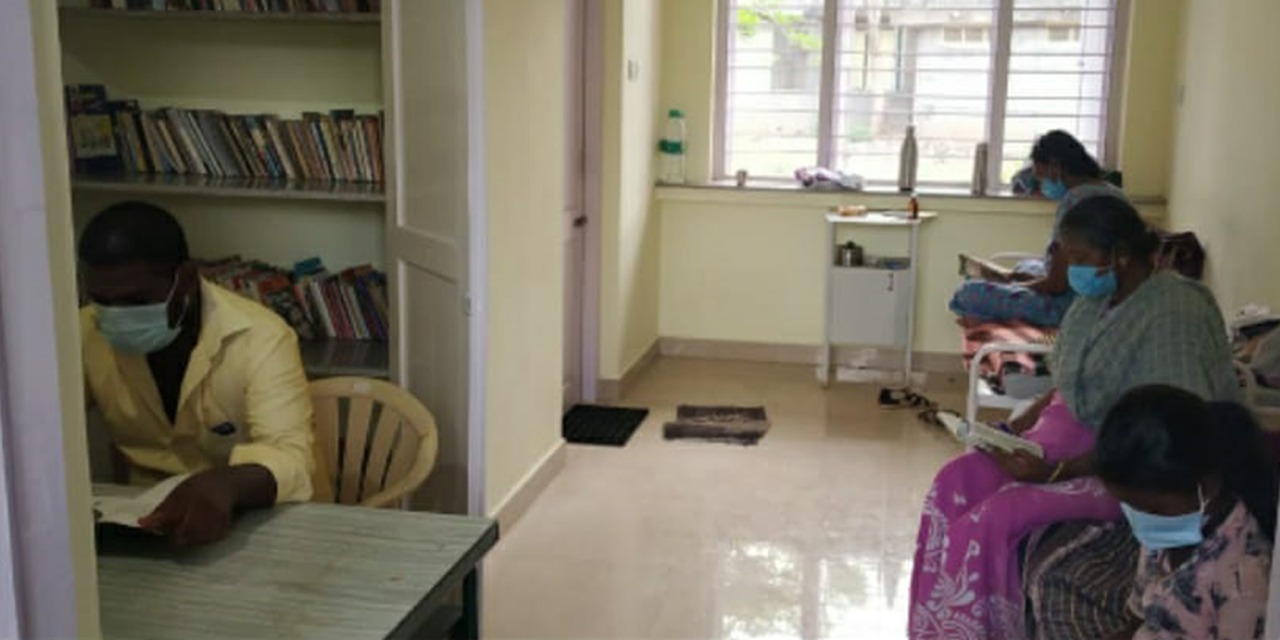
525	130
629	224
1228	145
747	266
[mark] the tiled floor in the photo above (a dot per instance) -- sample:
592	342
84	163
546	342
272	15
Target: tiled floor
808	535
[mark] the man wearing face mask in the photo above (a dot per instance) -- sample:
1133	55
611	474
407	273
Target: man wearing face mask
1037	291
190	378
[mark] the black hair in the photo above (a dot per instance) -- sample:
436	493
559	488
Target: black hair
1111	225
1165	439
133	233
1062	147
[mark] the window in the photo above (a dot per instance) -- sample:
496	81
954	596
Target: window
837	82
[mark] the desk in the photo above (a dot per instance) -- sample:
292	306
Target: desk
300	571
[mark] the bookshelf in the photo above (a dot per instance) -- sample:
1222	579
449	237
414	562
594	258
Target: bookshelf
214	17
282	64
200	186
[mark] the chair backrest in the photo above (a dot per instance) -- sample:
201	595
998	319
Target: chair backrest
378	441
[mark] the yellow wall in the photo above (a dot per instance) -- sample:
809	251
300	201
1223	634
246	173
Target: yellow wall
1146	134
744	266
748	266
62	266
629	224
1228	145
525	129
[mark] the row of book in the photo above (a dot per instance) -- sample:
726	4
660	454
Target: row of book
110	136
254	6
348	305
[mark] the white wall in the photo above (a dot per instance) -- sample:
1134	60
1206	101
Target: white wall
629	224
525	130
1228	146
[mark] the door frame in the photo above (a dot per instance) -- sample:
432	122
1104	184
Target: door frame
40	583
592	195
477	296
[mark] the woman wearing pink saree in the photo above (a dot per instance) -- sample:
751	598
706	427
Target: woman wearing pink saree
1130	326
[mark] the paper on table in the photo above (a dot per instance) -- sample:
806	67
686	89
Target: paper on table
127	512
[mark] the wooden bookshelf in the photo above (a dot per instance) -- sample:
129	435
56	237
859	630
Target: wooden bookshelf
324	17
203	186
331	358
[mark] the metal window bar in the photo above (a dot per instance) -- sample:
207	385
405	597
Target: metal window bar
1006	18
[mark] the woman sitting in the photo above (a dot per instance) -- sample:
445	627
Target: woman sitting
1037	291
1131	326
1200	496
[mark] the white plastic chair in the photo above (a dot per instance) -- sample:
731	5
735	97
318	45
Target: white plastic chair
374	464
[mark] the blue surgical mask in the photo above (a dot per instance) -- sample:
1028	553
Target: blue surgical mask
1053	189
1086	281
1159	533
141	329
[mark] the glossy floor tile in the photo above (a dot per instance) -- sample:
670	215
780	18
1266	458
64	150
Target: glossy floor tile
808	535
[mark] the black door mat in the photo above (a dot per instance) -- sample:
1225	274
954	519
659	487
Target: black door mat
737	425
605	426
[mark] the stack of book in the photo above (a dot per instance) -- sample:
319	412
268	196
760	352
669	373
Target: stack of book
117	135
349	305
258	6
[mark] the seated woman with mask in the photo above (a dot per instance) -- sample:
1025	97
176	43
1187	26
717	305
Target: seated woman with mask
1199	493
1037	291
1131	326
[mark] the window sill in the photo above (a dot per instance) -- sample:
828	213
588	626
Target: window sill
934	199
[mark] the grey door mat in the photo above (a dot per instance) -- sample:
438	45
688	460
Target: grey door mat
736	425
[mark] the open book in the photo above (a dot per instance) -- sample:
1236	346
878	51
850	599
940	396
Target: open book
984	436
126	512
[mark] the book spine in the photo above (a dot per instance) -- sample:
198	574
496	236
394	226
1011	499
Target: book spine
186	147
282	150
170	145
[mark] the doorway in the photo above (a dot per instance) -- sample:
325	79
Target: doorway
582	200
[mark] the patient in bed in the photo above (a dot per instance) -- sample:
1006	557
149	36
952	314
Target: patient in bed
1036	291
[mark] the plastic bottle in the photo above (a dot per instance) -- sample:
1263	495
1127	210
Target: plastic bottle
671	150
908	159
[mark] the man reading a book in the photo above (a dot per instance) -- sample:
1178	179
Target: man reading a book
190	378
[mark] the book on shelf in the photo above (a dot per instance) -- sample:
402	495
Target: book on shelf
319	305
247	6
119	136
91	138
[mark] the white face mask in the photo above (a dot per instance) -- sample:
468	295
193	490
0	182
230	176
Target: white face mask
140	329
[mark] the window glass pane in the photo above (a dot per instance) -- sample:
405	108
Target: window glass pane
1058	75
774	79
900	62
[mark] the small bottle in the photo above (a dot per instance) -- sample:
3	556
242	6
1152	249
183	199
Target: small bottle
913	207
980	155
671	150
908	160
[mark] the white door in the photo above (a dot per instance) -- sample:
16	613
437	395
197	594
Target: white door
575	217
433	224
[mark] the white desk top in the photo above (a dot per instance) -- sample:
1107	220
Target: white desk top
297	571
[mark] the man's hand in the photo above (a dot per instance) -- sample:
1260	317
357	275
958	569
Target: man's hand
1021	466
197	512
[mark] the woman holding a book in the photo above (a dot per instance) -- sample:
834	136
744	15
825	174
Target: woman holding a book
1130	326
